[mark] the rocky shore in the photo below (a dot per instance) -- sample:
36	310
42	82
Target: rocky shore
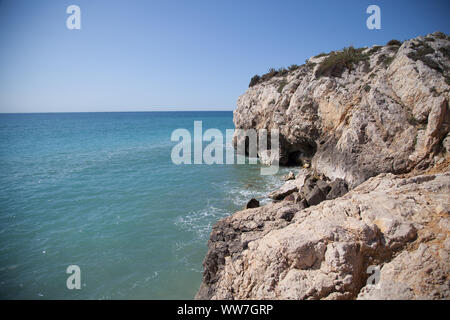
369	131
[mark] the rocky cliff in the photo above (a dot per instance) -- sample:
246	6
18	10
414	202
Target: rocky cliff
374	121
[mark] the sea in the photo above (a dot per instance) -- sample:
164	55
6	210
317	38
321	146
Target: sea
100	191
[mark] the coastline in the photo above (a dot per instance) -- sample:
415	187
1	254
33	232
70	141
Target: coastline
373	194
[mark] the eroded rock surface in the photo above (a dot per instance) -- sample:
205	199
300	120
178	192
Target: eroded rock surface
286	251
374	191
390	113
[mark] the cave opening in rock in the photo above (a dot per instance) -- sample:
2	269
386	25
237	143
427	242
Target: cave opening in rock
301	155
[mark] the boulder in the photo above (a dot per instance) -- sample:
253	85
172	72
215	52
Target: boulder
316	196
337	189
288	188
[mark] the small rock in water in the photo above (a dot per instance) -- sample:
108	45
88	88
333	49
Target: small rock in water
253	203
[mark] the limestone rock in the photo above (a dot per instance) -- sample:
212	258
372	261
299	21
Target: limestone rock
338	189
289	176
389	113
316	196
285	251
419	274
365	138
290	186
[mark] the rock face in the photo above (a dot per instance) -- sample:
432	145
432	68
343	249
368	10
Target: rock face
419	274
372	137
284	251
389	113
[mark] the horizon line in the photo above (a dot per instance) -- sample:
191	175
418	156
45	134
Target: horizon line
131	111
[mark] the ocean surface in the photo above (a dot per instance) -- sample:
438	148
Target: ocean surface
99	190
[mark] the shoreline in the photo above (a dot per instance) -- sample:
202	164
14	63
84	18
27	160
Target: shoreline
374	141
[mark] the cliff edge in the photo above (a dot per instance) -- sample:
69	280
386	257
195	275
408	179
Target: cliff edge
370	127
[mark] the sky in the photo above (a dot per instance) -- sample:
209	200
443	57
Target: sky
143	55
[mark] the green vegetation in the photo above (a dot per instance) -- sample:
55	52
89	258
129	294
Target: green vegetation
385	60
394	42
445	51
412	121
254	80
393	48
323	54
422	48
272	73
366	88
257	79
421	51
440	35
336	62
373	50
281	85
282	72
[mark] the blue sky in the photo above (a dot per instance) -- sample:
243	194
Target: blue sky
138	55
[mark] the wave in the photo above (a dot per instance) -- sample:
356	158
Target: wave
201	221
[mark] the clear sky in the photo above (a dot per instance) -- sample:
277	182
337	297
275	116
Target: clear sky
138	55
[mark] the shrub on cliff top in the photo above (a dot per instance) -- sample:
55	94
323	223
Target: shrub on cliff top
338	61
440	35
323	54
282	72
385	60
394	42
272	73
255	79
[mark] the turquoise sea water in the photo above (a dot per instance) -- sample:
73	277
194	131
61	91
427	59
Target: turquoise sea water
99	190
